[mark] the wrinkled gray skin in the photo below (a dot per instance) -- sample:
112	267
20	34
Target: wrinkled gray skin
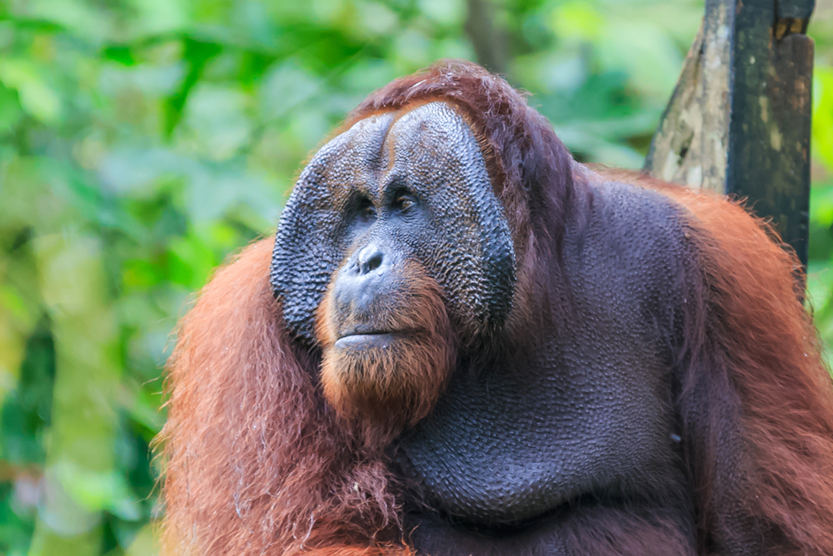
587	417
584	415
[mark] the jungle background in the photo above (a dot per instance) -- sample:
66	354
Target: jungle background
142	141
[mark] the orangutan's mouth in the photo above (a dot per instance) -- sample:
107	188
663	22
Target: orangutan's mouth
364	340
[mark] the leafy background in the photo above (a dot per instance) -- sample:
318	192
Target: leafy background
141	141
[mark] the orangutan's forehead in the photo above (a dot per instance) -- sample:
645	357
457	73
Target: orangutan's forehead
431	141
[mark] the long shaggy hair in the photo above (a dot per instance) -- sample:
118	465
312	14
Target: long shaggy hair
754	369
255	460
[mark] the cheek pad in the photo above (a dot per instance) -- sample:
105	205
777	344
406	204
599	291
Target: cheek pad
310	243
469	248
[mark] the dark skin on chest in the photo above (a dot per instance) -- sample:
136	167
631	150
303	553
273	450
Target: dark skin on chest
461	341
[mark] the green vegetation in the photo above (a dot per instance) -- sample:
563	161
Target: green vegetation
142	141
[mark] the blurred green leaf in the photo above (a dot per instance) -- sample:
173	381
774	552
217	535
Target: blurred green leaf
197	55
36	97
823	114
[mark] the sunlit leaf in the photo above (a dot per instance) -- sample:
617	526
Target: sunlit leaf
36	97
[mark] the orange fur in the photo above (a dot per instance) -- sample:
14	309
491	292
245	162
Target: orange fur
783	390
398	386
255	464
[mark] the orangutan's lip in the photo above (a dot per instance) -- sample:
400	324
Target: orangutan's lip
365	339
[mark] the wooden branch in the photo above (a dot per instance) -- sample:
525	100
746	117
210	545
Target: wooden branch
739	119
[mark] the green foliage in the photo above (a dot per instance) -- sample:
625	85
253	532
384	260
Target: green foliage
142	141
